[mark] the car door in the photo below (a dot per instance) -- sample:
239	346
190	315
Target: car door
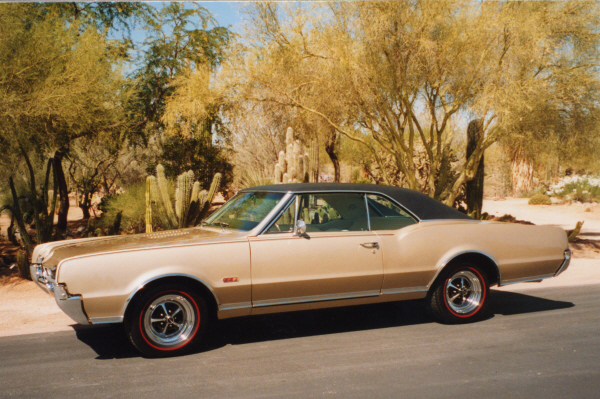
337	258
391	223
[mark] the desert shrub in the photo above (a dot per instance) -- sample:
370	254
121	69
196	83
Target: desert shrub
253	178
132	202
536	191
577	188
540	199
358	177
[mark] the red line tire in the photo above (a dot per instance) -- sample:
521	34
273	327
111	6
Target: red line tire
167	321
461	295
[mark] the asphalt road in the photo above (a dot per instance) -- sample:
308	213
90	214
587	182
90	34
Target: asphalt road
540	343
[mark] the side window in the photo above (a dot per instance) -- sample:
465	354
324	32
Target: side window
333	212
285	223
385	215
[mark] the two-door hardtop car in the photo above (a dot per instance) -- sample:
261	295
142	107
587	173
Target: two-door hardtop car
291	247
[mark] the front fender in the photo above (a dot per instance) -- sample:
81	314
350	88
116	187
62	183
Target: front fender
107	282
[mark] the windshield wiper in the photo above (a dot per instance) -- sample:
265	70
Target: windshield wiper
222	224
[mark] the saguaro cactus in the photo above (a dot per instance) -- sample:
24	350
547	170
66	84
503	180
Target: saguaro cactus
205	198
164	197
474	189
148	204
183	197
191	204
293	163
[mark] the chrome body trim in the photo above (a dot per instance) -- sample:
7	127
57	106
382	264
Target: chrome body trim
314	298
267	225
404	290
286	202
238	305
370	245
42	278
72	306
300	228
139	287
106	320
527	279
565	264
355	192
368	213
296	211
272	216
445	263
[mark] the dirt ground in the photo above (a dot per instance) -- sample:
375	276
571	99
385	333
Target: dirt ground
26	309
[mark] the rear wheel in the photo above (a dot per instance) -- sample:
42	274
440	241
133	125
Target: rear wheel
461	296
167	321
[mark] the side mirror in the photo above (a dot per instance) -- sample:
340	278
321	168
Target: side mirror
300	228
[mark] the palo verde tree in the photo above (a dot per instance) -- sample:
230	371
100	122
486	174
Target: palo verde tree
60	83
398	72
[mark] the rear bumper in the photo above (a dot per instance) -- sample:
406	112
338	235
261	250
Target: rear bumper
565	265
72	305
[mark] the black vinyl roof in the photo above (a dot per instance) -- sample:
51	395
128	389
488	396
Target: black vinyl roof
424	207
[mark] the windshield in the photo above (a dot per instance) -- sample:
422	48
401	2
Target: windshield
244	211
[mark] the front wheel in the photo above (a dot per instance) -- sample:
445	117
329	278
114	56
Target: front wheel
461	297
167	321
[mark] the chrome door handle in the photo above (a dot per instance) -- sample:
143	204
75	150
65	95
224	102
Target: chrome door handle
370	244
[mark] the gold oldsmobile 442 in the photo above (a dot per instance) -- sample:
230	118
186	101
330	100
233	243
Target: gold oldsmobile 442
293	247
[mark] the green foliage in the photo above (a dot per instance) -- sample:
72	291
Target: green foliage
180	154
582	191
178	38
358	177
62	82
99	15
398	73
540	199
133	207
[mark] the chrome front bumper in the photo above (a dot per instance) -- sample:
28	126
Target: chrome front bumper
72	305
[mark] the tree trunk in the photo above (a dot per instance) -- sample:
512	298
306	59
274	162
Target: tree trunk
85	204
330	143
11	231
521	172
475	186
63	190
18	217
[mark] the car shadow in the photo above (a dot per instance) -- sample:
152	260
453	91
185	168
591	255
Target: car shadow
512	303
110	341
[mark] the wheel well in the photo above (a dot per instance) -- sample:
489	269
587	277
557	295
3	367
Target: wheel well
486	263
194	285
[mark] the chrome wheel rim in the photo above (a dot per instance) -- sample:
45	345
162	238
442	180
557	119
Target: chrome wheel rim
464	292
170	320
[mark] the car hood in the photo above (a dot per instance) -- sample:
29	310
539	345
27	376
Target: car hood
54	252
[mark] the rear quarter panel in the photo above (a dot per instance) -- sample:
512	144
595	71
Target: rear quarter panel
413	256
